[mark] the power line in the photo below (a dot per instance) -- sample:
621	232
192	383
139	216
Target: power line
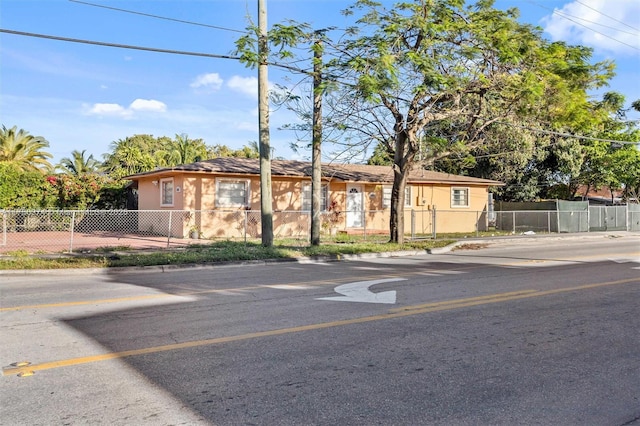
291	68
635	33
562	15
568	135
158	17
565	16
607	16
148	49
211	55
120	46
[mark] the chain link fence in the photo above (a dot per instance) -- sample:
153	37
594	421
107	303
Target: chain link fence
50	231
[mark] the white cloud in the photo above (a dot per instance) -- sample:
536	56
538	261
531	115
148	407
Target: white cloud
610	25
111	110
116	110
244	85
148	105
211	81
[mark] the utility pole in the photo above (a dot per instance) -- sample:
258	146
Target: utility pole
316	152
266	206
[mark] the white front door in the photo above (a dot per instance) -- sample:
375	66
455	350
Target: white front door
354	206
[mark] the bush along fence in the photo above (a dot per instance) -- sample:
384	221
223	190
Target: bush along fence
47	231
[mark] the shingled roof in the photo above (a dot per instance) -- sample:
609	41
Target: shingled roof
293	168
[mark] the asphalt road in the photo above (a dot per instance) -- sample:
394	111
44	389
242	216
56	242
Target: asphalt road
530	332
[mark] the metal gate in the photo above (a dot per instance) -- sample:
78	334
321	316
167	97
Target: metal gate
607	218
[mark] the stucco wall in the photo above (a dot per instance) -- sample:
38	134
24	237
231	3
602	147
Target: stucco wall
196	193
451	218
154	218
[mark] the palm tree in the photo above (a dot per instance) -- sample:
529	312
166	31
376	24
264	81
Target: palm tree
130	155
184	150
78	164
23	149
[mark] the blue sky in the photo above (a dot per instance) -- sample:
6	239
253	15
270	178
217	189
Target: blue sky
83	97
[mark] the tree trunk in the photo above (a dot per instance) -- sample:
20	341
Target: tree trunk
402	162
396	220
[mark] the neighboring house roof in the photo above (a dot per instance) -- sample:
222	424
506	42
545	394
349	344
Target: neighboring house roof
293	168
603	194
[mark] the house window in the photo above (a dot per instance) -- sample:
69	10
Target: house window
307	197
386	196
232	193
459	197
407	196
166	192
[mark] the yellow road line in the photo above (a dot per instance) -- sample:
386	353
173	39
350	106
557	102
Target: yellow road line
193	292
183	294
395	313
86	302
610	256
502	297
489	297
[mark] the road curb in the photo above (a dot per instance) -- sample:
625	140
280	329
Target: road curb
315	259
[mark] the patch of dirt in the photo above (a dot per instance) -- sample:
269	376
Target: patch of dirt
471	246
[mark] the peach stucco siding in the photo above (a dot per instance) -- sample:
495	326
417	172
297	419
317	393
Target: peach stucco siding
195	193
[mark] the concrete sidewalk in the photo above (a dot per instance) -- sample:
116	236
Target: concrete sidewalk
521	239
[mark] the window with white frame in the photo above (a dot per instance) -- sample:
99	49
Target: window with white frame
232	193
459	197
307	197
166	192
386	196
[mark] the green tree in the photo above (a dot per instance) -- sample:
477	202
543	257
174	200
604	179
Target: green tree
606	163
23	149
78	164
135	154
23	189
141	153
183	150
432	77
625	163
381	156
86	191
248	151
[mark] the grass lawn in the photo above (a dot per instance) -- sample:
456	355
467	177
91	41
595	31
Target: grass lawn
210	252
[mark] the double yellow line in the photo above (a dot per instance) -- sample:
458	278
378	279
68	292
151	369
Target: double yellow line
26	370
500	297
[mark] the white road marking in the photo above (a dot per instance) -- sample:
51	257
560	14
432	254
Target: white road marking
359	292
